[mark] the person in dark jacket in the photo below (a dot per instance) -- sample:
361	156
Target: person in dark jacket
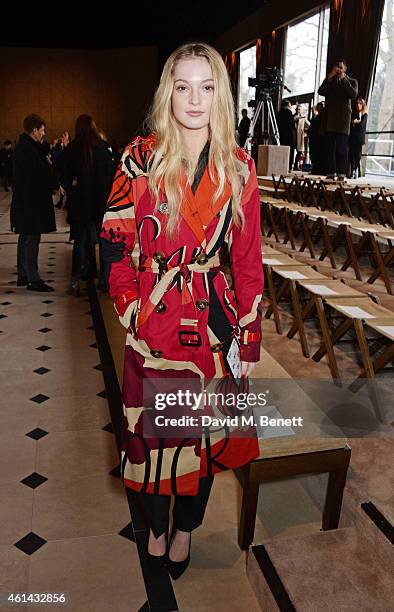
357	136
32	212
6	155
243	128
316	140
339	90
287	129
87	179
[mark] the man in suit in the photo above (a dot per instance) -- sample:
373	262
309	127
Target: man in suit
339	90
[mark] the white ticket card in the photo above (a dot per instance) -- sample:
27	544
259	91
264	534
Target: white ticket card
320	289
356	313
387	329
234	359
293	274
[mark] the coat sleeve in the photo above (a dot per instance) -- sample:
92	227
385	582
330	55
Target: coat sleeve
118	238
350	87
325	87
247	269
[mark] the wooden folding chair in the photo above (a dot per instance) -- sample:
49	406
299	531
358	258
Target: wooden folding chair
318	291
288	275
384	327
386	238
352	311
368	244
341	235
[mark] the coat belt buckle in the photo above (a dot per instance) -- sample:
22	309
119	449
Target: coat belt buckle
189	338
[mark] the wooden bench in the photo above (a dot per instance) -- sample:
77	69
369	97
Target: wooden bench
285	457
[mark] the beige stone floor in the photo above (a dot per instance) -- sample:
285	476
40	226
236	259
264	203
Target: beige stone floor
80	508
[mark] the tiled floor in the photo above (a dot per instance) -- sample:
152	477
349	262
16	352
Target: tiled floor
60	509
62	513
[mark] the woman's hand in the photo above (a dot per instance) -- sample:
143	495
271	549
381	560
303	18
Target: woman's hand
247	368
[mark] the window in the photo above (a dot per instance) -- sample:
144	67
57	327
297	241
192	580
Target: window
380	150
247	68
306	54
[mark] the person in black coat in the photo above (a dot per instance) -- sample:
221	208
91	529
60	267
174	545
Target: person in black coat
6	155
358	129
32	212
87	179
287	129
316	140
243	128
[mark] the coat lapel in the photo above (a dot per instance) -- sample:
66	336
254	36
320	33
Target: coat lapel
198	209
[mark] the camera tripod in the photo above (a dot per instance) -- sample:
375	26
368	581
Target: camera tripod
269	126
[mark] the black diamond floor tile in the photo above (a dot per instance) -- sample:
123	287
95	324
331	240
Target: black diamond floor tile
30	543
89	312
41	371
90	327
49	281
44	330
50	266
3	316
43	348
127	532
98	367
37	433
108	428
102	394
46	314
34	480
40	398
94	345
6	303
48	302
115	472
9	291
50	272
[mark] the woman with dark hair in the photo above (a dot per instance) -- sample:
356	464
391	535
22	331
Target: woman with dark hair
358	129
88	174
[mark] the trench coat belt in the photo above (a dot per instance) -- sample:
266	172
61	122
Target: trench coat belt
167	278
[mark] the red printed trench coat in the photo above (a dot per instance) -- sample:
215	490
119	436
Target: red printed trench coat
180	315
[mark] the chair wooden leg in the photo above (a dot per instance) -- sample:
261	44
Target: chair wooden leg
332	362
298	319
247	521
273	307
337	335
334	495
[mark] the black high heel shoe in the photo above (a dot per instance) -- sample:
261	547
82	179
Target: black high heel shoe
158	563
176	568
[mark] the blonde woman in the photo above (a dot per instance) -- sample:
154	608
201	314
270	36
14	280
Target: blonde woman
357	136
178	196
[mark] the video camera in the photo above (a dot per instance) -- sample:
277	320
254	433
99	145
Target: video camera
267	83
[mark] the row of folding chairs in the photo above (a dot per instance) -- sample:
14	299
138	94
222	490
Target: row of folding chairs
374	204
337	308
324	232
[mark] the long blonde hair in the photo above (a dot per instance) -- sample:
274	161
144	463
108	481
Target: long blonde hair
169	153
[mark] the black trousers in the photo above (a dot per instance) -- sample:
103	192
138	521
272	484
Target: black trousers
337	152
84	254
188	511
355	151
27	257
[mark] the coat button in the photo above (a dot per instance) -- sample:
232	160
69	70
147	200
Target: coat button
156	353
202	259
159	257
216	348
202	304
161	307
